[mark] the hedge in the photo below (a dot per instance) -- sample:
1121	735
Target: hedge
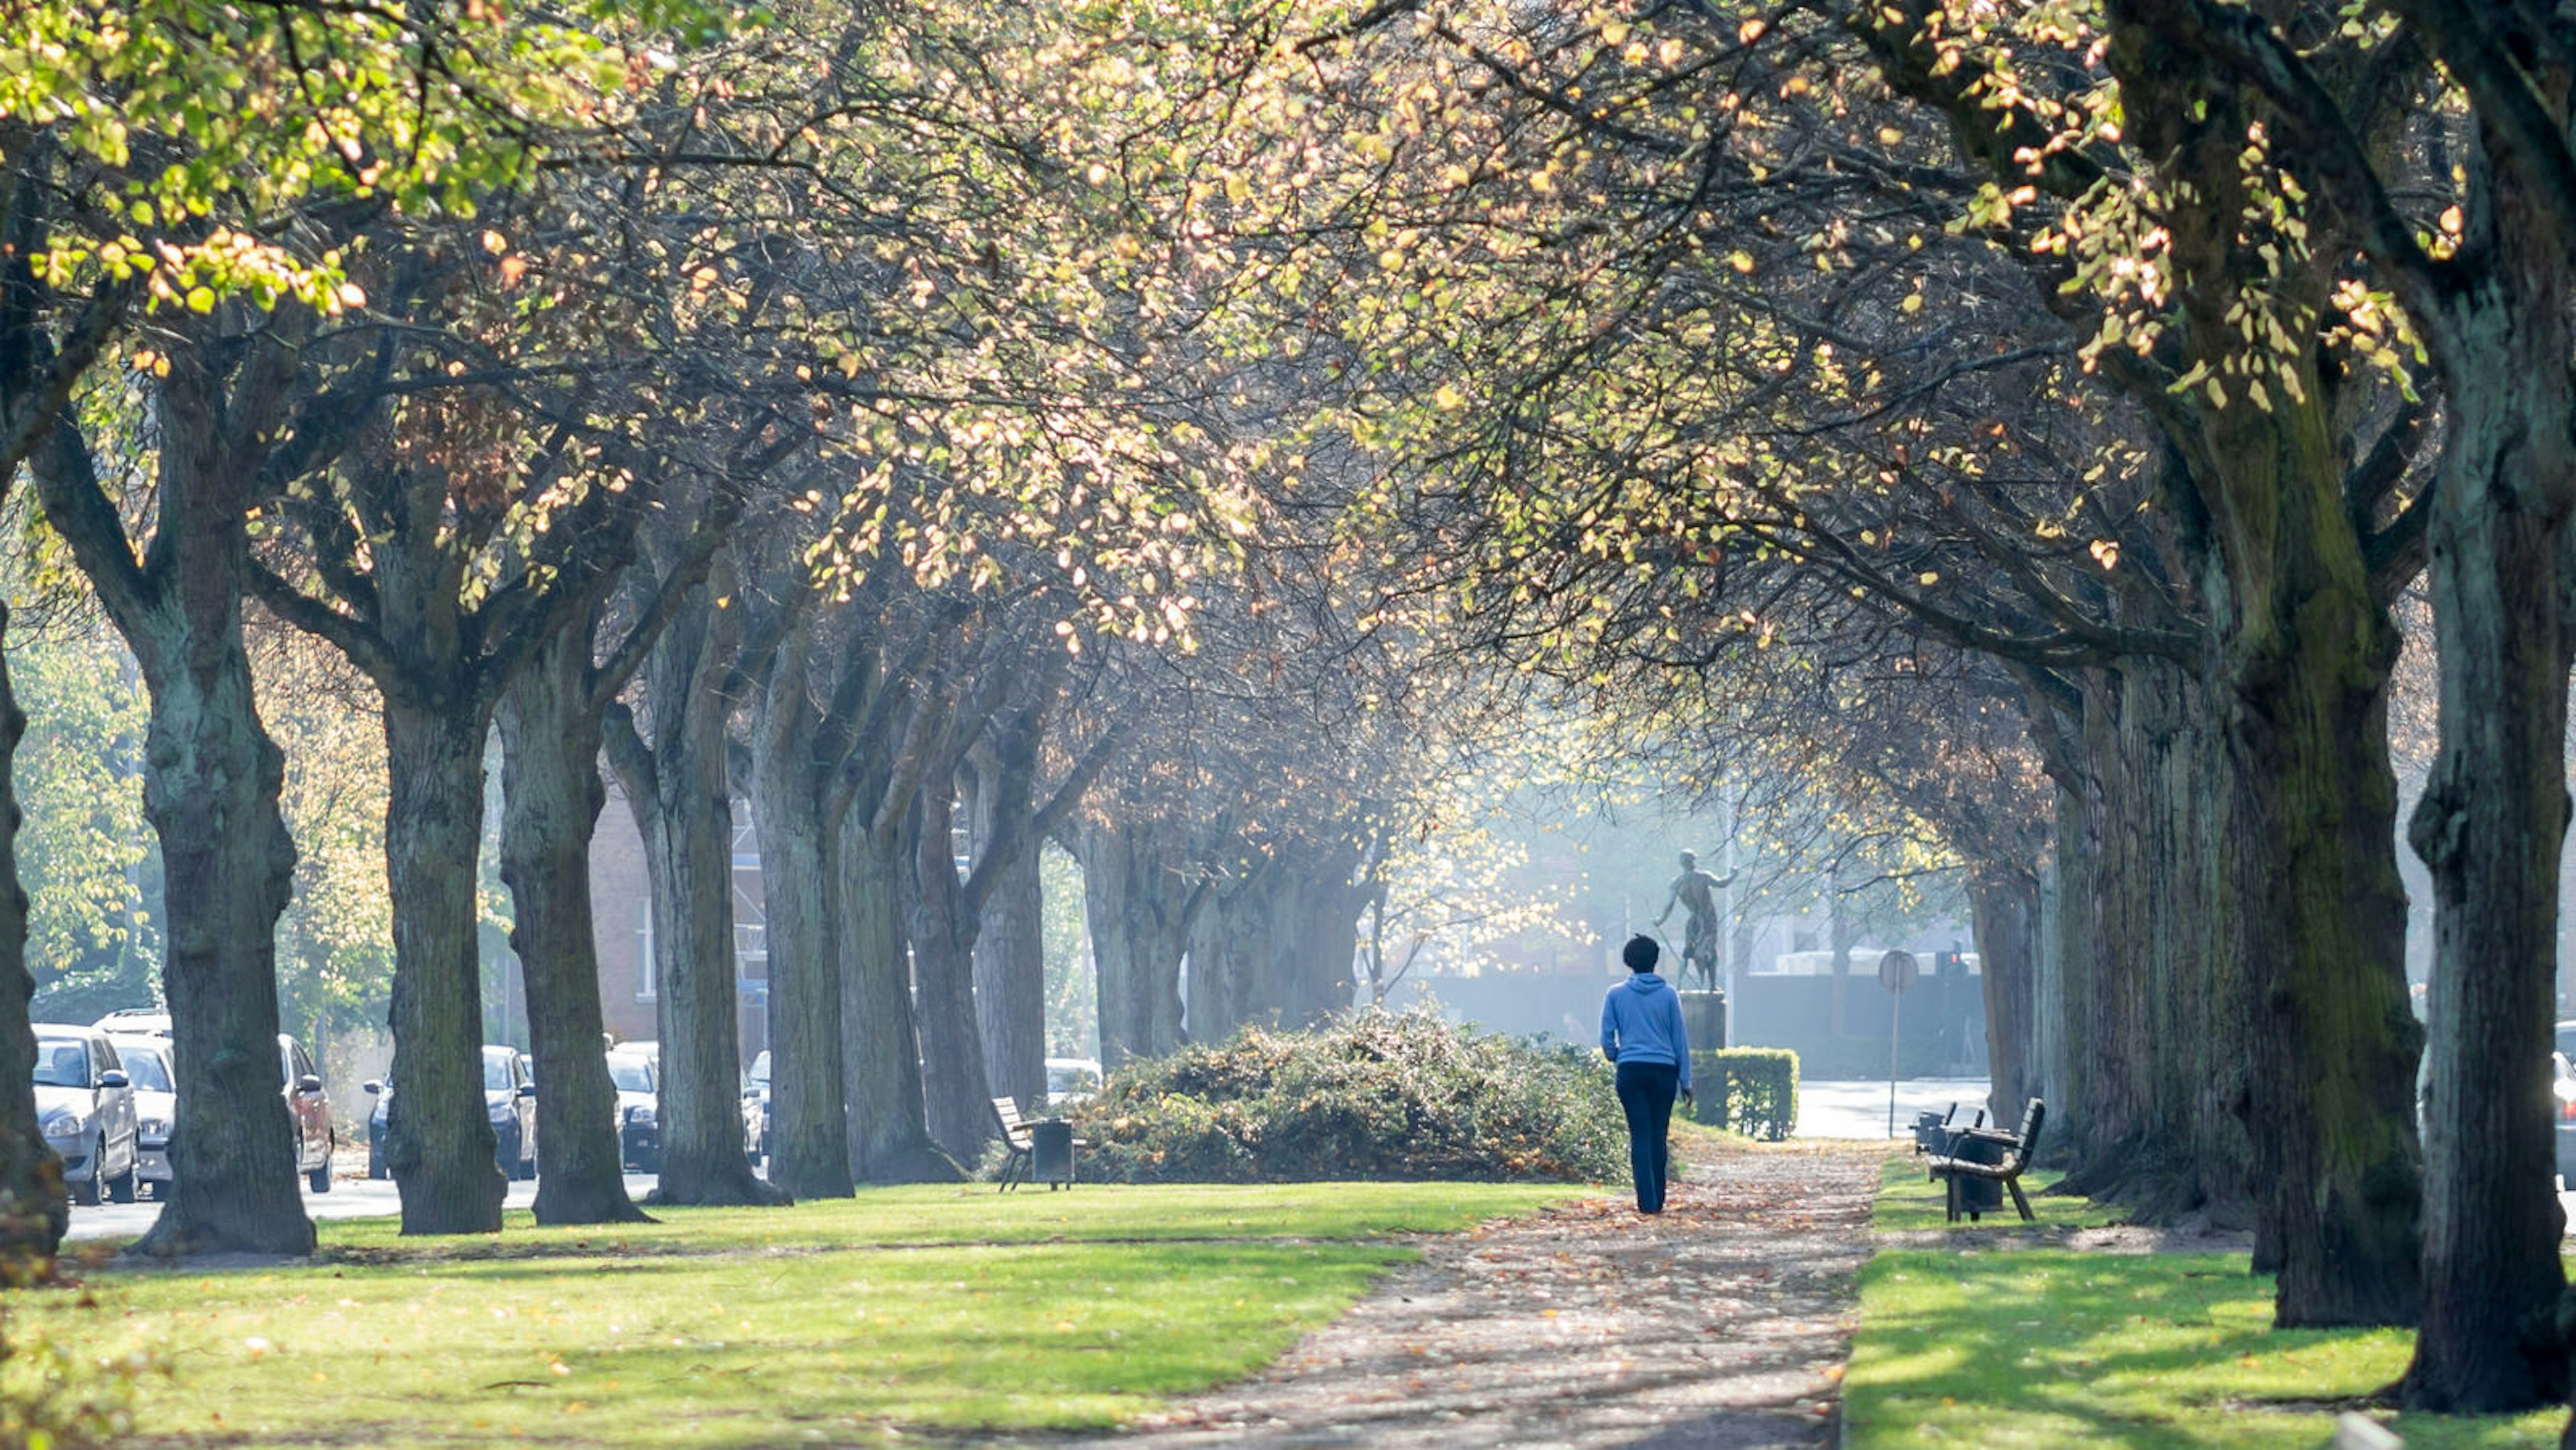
1752	1090
1378	1096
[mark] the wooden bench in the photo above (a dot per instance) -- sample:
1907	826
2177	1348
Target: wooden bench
2007	1170
1022	1144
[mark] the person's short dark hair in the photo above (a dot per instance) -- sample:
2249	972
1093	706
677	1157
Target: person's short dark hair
1640	953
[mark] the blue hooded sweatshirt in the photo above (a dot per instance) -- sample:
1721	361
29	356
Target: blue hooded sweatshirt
1641	1021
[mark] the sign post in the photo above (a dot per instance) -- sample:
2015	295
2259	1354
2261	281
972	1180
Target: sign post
1896	972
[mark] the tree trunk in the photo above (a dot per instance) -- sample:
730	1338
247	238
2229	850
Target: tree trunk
33	1209
677	787
2490	827
1139	913
688	838
808	1113
438	1138
1226	938
954	1097
2331	1085
889	1140
2003	906
211	788
1010	983
551	798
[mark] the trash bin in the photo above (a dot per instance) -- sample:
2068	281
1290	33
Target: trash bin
1051	1152
1979	1195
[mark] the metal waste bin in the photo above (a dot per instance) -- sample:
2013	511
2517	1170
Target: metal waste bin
1978	1195
1051	1152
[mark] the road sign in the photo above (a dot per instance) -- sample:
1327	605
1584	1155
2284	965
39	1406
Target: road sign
1897	970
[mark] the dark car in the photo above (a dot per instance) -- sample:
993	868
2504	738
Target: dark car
310	1109
85	1108
639	1126
509	1096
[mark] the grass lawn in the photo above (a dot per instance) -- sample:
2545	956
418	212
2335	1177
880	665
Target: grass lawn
933	1307
1983	1343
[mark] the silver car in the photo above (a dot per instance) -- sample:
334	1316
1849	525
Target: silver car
156	1105
85	1107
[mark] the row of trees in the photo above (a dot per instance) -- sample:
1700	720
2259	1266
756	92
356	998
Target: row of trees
2122	363
872	412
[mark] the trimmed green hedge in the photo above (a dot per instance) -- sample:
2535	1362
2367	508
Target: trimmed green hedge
1379	1096
1752	1090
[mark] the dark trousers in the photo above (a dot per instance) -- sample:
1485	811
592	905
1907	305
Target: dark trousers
1646	1094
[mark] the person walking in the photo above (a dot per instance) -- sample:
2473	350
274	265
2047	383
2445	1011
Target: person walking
1641	1032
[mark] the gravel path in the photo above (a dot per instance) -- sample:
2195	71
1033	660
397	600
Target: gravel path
1723	1324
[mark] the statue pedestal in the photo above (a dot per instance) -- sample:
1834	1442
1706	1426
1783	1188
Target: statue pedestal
1704	1018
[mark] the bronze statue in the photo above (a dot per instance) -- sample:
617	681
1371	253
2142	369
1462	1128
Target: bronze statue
1695	891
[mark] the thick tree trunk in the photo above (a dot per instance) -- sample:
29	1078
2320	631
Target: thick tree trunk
2331	1086
1139	912
677	786
438	1139
1227	937
889	1139
2490	827
688	859
2003	906
1010	964
1010	983
1317	922
210	788
808	1113
954	1097
33	1209
551	799
2163	1000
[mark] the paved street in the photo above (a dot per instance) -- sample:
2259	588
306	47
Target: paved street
1844	1109
348	1198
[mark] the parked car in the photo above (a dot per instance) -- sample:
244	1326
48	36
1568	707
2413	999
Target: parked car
510	1093
135	1022
1070	1079
310	1108
509	1097
639	1127
2563	1099
755	1109
156	1106
85	1108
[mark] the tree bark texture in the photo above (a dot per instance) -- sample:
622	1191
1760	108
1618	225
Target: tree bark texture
2003	908
210	788
881	1053
1010	982
808	1110
1010	957
2493	816
954	1096
677	786
34	1210
1138	907
551	796
2167	1007
438	1139
2302	647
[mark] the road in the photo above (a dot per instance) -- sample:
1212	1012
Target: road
1843	1109
348	1198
